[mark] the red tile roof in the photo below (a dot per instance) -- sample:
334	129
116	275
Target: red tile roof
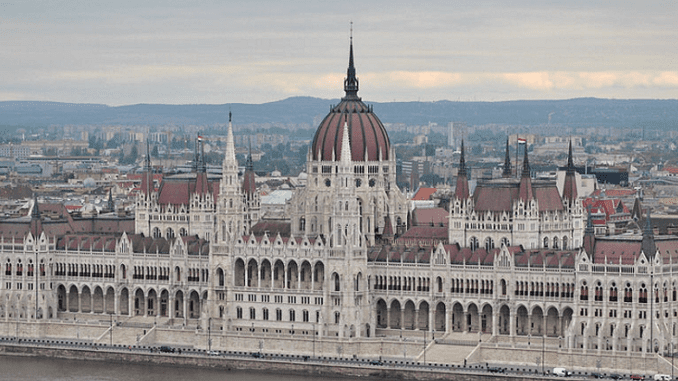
424	194
430	216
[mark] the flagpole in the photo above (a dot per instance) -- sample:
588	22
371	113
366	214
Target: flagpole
517	145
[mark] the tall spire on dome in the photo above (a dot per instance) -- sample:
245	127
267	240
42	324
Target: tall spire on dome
351	82
507	162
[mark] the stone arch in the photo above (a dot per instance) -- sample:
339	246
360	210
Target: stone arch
486	319
423	315
220	277
439	317
552	322
73	299
252	273
265	274
279	274
537	321
152	303
98	300
305	275
139	302
522	319
409	320
124	302
292	275
504	323
61	298
318	275
178	306
395	315
239	273
382	314
194	305
164	303
109	301
458	320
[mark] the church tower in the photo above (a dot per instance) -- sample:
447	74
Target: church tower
230	206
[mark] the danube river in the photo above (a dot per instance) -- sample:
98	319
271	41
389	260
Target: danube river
17	368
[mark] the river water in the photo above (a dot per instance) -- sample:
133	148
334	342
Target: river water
17	368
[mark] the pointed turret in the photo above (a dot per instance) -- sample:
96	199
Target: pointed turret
147	177
229	156
249	186
589	235
648	245
526	193
111	203
36	221
507	163
461	191
351	81
570	185
345	145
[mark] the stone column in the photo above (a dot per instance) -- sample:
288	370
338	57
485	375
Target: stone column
80	301
416	318
447	320
513	323
496	320
388	317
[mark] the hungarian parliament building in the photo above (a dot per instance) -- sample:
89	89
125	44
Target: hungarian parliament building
515	256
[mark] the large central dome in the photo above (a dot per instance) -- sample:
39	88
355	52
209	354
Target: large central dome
369	140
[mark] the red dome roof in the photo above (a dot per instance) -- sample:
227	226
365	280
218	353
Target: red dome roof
368	137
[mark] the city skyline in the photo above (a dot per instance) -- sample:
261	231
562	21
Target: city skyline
263	51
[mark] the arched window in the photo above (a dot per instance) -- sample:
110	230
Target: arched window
337	282
156	232
170	233
302	224
489	244
546	242
473	243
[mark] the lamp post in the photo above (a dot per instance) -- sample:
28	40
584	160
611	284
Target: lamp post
425	347
543	350
671	352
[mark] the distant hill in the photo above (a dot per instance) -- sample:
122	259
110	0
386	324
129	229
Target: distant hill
578	112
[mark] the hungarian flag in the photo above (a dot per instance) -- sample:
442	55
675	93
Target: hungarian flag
522	141
199	138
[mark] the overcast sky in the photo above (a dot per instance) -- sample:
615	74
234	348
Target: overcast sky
214	52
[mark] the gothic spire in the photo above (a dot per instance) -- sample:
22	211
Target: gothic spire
35	214
648	245
507	162
462	161
351	82
526	165
111	203
461	191
570	162
570	184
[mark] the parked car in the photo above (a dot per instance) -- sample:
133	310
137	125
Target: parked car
637	377
561	372
615	376
662	377
166	349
